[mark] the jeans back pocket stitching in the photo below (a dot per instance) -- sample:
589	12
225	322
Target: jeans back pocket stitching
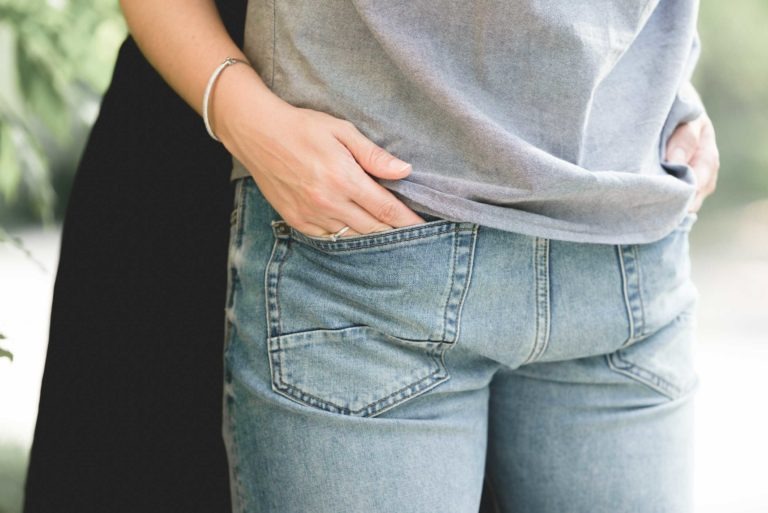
280	250
630	277
282	247
470	253
434	378
445	335
374	240
643	331
642	375
541	266
463	246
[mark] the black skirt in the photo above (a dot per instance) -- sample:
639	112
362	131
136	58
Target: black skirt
130	406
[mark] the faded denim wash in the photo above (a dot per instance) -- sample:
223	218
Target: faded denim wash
390	372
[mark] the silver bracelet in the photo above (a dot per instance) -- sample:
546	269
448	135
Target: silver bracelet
208	88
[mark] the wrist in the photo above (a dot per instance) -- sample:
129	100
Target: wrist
238	91
229	61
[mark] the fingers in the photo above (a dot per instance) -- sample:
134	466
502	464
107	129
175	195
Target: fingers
684	142
361	221
382	204
312	229
347	214
379	207
705	164
694	144
319	176
358	219
372	158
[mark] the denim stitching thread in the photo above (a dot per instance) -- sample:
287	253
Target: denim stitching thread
388	239
642	375
630	282
436	354
447	304
467	280
617	362
283	257
641	302
541	270
625	290
406	392
271	286
633	282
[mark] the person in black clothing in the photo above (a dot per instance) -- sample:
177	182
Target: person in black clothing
130	406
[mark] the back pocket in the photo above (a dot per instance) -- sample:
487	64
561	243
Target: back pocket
358	325
663	362
354	371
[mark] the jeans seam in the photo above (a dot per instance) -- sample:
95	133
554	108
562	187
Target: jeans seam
467	279
236	486
233	277
446	306
643	375
630	277
542	297
272	277
636	254
617	362
373	240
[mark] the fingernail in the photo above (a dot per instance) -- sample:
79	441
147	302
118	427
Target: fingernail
678	155
398	165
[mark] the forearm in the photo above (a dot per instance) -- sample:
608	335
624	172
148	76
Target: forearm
316	170
185	41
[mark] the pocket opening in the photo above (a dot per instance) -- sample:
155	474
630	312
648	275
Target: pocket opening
382	238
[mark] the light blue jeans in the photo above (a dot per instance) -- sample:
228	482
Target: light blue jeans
391	372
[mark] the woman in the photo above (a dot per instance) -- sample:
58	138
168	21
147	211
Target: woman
498	285
130	415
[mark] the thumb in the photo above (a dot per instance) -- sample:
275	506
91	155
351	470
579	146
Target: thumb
372	158
683	143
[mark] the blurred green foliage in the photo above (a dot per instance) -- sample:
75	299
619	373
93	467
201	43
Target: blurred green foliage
732	78
3	352
13	464
56	57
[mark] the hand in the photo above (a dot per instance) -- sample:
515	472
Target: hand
313	168
694	144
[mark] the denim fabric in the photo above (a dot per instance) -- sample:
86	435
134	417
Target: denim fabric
390	372
548	118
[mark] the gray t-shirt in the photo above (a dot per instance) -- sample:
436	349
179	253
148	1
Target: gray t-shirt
543	117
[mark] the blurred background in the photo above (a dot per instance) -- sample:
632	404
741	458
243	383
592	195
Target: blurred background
56	59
